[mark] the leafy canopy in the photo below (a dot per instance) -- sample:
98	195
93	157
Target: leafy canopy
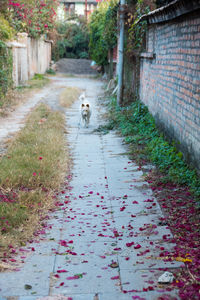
103	31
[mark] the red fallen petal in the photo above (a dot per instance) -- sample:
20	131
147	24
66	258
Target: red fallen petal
127	258
129	244
122	208
32	249
149	200
133	216
73	277
135	202
62	283
138	246
57	276
62	271
117	249
141	228
91	192
114	277
63	243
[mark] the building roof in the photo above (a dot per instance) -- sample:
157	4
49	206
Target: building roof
171	11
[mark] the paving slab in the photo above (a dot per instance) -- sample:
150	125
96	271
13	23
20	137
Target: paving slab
106	242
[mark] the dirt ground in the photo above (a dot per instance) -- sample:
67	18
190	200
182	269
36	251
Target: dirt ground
75	66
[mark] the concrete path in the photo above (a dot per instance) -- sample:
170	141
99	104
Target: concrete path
104	241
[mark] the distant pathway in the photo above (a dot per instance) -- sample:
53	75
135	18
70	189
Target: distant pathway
103	242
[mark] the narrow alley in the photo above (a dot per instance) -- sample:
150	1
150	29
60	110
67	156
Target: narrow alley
105	240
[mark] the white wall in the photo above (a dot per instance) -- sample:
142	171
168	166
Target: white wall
30	56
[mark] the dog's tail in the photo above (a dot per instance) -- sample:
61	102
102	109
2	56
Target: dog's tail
82	97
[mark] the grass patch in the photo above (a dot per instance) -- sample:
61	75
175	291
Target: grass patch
69	95
51	72
147	143
38	81
32	169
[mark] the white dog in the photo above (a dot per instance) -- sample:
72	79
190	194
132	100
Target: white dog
85	110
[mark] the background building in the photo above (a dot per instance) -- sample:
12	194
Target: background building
78	7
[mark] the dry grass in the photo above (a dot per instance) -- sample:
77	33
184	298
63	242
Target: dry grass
69	95
31	171
19	95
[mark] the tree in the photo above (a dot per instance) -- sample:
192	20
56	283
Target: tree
103	31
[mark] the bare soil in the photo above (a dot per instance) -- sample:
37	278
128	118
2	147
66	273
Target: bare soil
75	66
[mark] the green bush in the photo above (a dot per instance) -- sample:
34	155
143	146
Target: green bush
6	32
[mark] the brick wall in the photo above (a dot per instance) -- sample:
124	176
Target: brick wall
170	80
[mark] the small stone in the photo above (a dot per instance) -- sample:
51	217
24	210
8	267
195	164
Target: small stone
114	265
27	287
166	277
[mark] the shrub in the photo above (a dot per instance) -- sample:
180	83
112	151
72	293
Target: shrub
6	32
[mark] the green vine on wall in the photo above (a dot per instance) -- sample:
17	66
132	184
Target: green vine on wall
5	70
6	33
137	30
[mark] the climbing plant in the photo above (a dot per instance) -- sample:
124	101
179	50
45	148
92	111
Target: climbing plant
6	33
137	30
103	31
5	70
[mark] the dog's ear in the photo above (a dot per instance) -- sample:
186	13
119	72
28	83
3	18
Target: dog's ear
83	105
88	105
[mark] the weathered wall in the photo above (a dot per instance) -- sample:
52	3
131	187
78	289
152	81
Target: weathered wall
170	80
30	56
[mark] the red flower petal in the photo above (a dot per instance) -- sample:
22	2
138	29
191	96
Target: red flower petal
114	277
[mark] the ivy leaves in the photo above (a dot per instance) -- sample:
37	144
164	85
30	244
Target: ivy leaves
103	31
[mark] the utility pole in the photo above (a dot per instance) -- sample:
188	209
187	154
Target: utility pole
86	9
121	54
